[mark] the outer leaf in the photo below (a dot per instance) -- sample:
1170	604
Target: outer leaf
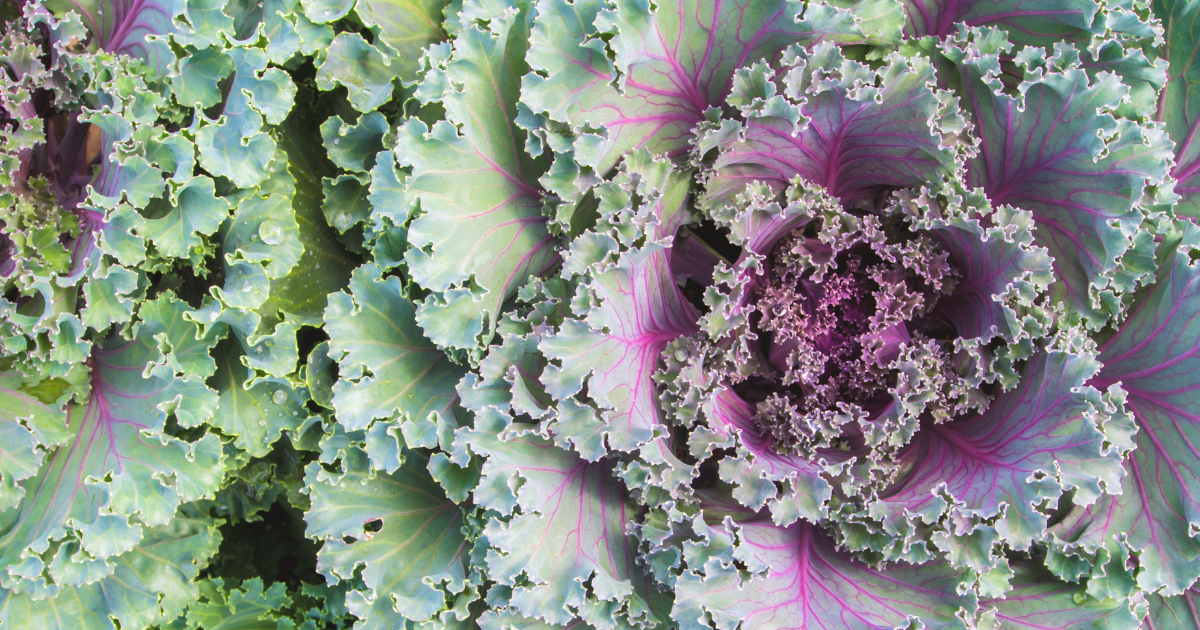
1038	601
419	545
1049	152
150	584
235	146
654	81
255	415
364	69
475	245
1181	612
1154	357
118	460
247	608
408	26
387	364
1030	445
571	531
810	585
1178	106
28	428
325	266
196	211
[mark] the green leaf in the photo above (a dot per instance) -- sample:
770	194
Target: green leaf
408	26
194	211
118	459
662	69
148	585
235	146
387	366
248	608
353	147
256	415
325	266
28	429
412	563
364	69
475	245
1179	106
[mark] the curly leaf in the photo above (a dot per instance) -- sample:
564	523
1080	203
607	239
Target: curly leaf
1032	444
387	364
1056	153
1029	22
1037	601
851	140
28	429
118	461
570	534
656	78
810	585
408	26
481	233
415	553
757	468
617	349
1154	357
1178	105
150	584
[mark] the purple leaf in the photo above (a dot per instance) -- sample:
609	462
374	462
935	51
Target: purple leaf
857	141
810	585
1030	445
1154	357
1030	22
122	26
757	467
1056	153
992	262
662	71
569	540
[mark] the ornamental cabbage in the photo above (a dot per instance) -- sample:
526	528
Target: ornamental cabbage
604	314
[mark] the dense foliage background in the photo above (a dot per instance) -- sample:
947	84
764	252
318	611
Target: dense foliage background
599	314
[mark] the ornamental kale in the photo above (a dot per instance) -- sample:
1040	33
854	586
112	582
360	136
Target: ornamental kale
603	314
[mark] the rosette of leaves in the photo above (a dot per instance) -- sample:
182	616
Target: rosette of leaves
598	314
755	315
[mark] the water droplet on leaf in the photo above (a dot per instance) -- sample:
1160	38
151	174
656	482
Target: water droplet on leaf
279	397
271	232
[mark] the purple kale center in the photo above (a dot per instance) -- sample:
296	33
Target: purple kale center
838	321
817	328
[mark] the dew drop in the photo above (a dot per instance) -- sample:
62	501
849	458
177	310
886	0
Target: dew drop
681	355
279	397
271	232
262	423
336	140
